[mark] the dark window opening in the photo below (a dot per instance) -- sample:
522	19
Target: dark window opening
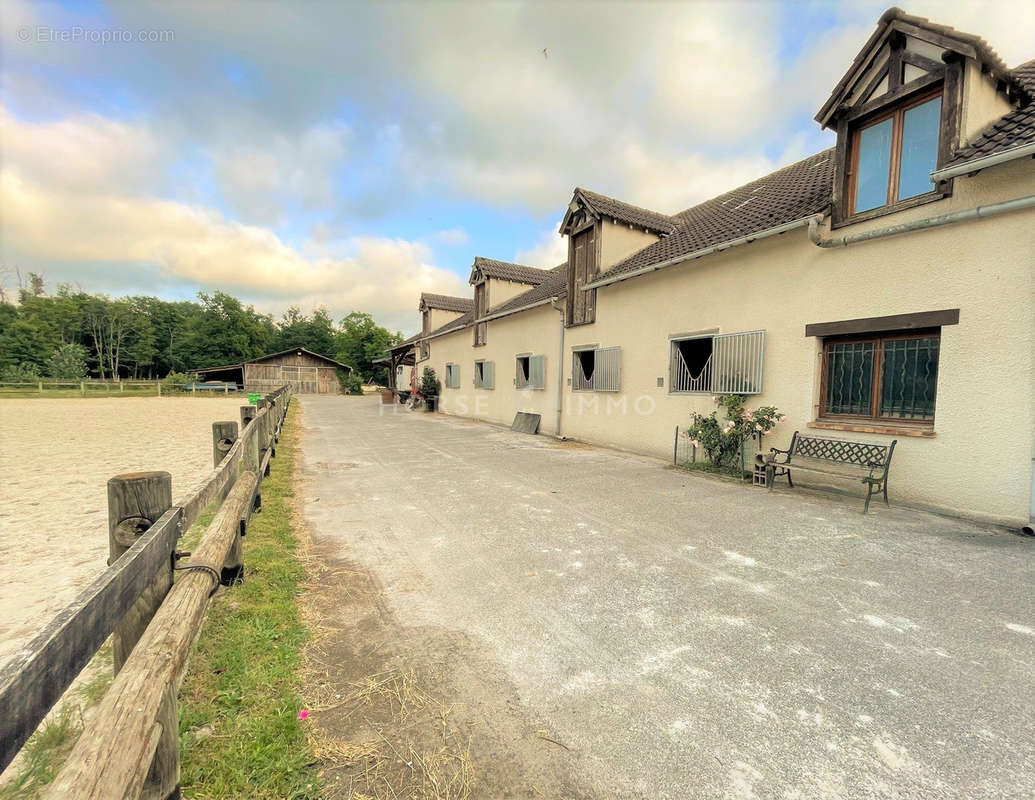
695	354
523	371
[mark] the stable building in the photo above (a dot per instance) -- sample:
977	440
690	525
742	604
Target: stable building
878	291
305	371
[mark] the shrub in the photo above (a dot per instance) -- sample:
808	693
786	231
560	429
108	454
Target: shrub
350	382
430	385
174	378
21	373
68	362
721	441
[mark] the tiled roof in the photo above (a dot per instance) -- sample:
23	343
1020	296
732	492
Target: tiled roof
457	324
406	342
505	271
624	212
1013	130
556	285
985	54
786	195
446	302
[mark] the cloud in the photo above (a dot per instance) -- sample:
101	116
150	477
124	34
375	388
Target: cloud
453	236
549	250
77	220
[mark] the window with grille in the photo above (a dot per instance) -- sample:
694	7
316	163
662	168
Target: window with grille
483	374
530	372
890	377
729	363
452	376
597	370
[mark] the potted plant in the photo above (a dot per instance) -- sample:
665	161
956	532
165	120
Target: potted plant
430	387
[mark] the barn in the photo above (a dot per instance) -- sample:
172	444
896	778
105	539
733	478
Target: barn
306	371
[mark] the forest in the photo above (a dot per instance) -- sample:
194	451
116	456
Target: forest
72	334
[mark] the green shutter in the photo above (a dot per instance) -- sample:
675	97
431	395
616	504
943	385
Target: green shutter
488	376
537	372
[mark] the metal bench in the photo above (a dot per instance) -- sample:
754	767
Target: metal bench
835	457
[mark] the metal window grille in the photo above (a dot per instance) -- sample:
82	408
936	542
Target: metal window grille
537	372
735	366
910	376
583	363
607	376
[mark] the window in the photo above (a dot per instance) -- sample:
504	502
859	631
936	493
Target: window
730	363
452	376
480	308
893	156
530	372
425	346
483	374
582	269
890	377
597	370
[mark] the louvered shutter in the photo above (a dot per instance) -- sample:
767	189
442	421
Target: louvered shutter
488	375
537	372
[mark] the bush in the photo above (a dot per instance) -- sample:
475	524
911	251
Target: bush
721	441
177	378
68	362
350	382
21	373
430	385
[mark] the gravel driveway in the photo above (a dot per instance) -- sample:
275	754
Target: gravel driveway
688	637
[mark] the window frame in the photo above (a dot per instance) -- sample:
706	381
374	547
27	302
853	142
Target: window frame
479	382
527	357
877	381
897	114
616	370
746	360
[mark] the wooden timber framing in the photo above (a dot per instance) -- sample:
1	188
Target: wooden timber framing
130	599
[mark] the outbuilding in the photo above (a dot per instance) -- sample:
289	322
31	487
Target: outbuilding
307	372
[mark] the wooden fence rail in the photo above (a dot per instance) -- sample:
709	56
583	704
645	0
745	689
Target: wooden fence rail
131	748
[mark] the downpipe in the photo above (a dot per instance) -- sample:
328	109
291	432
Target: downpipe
560	363
981	212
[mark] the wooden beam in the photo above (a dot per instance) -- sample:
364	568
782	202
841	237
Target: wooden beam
895	322
36	677
902	91
119	742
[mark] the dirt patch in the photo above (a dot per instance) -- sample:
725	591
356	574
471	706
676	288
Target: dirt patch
415	712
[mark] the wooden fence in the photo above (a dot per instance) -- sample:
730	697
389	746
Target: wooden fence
130	748
105	388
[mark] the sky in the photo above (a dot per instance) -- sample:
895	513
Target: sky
351	156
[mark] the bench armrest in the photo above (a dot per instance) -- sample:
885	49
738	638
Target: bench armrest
774	451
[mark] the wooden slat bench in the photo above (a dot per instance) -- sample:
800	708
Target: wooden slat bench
835	457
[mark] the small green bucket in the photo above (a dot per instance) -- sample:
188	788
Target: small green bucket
254	398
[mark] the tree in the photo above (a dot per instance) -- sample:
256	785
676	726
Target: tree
226	332
68	362
361	342
314	333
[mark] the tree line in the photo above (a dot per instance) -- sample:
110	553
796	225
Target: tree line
72	334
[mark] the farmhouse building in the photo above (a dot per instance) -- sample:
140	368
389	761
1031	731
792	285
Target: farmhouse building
305	371
879	290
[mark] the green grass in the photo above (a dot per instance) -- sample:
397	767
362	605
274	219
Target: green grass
47	748
712	469
240	735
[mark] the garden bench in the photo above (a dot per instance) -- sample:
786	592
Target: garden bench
835	457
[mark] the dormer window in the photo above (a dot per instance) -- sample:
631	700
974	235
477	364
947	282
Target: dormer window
894	154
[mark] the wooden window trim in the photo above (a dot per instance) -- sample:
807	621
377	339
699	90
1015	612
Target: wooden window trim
897	115
874	418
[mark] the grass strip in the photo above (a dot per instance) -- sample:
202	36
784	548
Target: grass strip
240	736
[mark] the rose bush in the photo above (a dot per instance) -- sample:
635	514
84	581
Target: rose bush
721	440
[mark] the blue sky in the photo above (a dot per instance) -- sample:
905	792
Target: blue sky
354	155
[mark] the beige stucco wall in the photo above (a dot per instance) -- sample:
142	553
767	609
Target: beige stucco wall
440	317
982	104
979	460
620	241
535	332
500	292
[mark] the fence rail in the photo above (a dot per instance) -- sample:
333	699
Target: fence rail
131	747
85	387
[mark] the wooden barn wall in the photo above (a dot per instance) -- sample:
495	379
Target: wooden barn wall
306	374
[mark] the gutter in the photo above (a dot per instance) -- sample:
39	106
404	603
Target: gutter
560	365
981	212
715	248
978	164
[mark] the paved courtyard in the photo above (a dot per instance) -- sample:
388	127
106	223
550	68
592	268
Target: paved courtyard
687	637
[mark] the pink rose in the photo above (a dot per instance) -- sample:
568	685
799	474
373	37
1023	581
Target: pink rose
303	714
783	418
758	427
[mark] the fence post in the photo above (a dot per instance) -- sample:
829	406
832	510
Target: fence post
247	415
41	387
159	385
135	502
224	434
82	388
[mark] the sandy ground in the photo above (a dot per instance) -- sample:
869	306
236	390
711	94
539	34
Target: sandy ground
675	636
55	459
